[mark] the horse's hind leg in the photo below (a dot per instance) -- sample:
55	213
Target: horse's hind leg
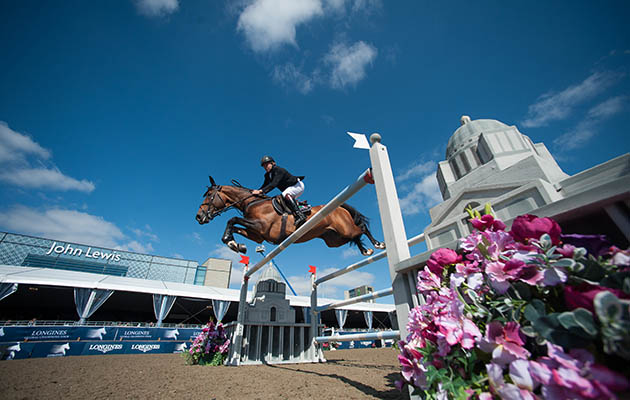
375	243
364	251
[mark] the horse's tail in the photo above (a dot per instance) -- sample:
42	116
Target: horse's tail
359	219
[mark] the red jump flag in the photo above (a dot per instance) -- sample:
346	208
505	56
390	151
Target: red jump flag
312	269
244	260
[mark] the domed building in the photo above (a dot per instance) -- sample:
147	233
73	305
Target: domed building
488	161
270	303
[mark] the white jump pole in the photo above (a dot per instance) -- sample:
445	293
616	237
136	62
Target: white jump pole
359	336
393	227
357	299
411	242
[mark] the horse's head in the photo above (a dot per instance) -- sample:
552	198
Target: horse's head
212	203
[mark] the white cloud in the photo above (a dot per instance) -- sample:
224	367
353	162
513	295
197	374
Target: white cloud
136	246
588	127
350	252
607	108
68	225
197	237
422	196
340	7
269	24
557	106
18	151
146	233
333	288
15	146
156	8
289	76
44	178
419	169
348	63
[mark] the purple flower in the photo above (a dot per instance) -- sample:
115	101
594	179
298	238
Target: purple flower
413	371
529	226
487	222
428	280
594	244
620	258
504	343
441	258
565	376
584	294
506	391
514	269
566	250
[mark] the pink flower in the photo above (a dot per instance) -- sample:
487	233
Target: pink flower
504	343
566	250
441	258
428	281
529	226
620	258
458	329
564	376
413	371
487	222
501	273
584	294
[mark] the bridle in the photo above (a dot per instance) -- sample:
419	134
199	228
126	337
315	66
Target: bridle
225	206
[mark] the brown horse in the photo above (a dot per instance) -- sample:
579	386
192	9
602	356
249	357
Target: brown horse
260	221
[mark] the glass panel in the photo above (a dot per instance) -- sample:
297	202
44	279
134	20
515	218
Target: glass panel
253	342
286	343
275	343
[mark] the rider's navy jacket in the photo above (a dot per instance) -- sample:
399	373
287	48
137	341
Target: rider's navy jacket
280	178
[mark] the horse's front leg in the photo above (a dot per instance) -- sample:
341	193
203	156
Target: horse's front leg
230	229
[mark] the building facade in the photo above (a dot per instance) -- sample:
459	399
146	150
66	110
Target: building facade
359	291
29	251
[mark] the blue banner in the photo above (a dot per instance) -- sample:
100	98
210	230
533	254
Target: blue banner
72	333
22	350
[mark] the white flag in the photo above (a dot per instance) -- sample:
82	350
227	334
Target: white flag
360	141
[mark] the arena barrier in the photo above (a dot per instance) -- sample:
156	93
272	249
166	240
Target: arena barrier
22	350
397	244
19	342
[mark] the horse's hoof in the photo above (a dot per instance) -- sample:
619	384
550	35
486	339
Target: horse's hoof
367	252
232	245
242	248
379	245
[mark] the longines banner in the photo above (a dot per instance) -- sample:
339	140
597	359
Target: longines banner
21	350
72	333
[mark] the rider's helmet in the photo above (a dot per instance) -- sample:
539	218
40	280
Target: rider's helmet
266	159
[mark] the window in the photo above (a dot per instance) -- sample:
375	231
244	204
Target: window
272	317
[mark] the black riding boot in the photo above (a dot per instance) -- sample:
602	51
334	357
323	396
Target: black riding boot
299	216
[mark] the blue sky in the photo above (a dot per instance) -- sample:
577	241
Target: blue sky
114	113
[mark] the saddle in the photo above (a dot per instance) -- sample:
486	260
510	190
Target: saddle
281	208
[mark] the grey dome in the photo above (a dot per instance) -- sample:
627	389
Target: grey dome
270	273
469	133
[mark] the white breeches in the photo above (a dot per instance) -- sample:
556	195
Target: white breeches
294	191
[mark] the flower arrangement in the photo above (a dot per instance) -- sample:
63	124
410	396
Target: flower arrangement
210	347
524	314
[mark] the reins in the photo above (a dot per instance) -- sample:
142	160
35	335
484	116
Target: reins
226	207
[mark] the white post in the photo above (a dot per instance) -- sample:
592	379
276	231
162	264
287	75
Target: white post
312	352
393	227
237	344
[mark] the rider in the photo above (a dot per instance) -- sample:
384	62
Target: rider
291	186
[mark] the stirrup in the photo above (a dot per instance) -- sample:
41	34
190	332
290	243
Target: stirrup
299	221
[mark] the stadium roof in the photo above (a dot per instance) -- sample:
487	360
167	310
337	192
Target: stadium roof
64	278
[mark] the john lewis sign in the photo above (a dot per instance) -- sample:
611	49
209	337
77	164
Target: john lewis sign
77	252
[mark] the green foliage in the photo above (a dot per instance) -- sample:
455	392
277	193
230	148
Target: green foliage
614	316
